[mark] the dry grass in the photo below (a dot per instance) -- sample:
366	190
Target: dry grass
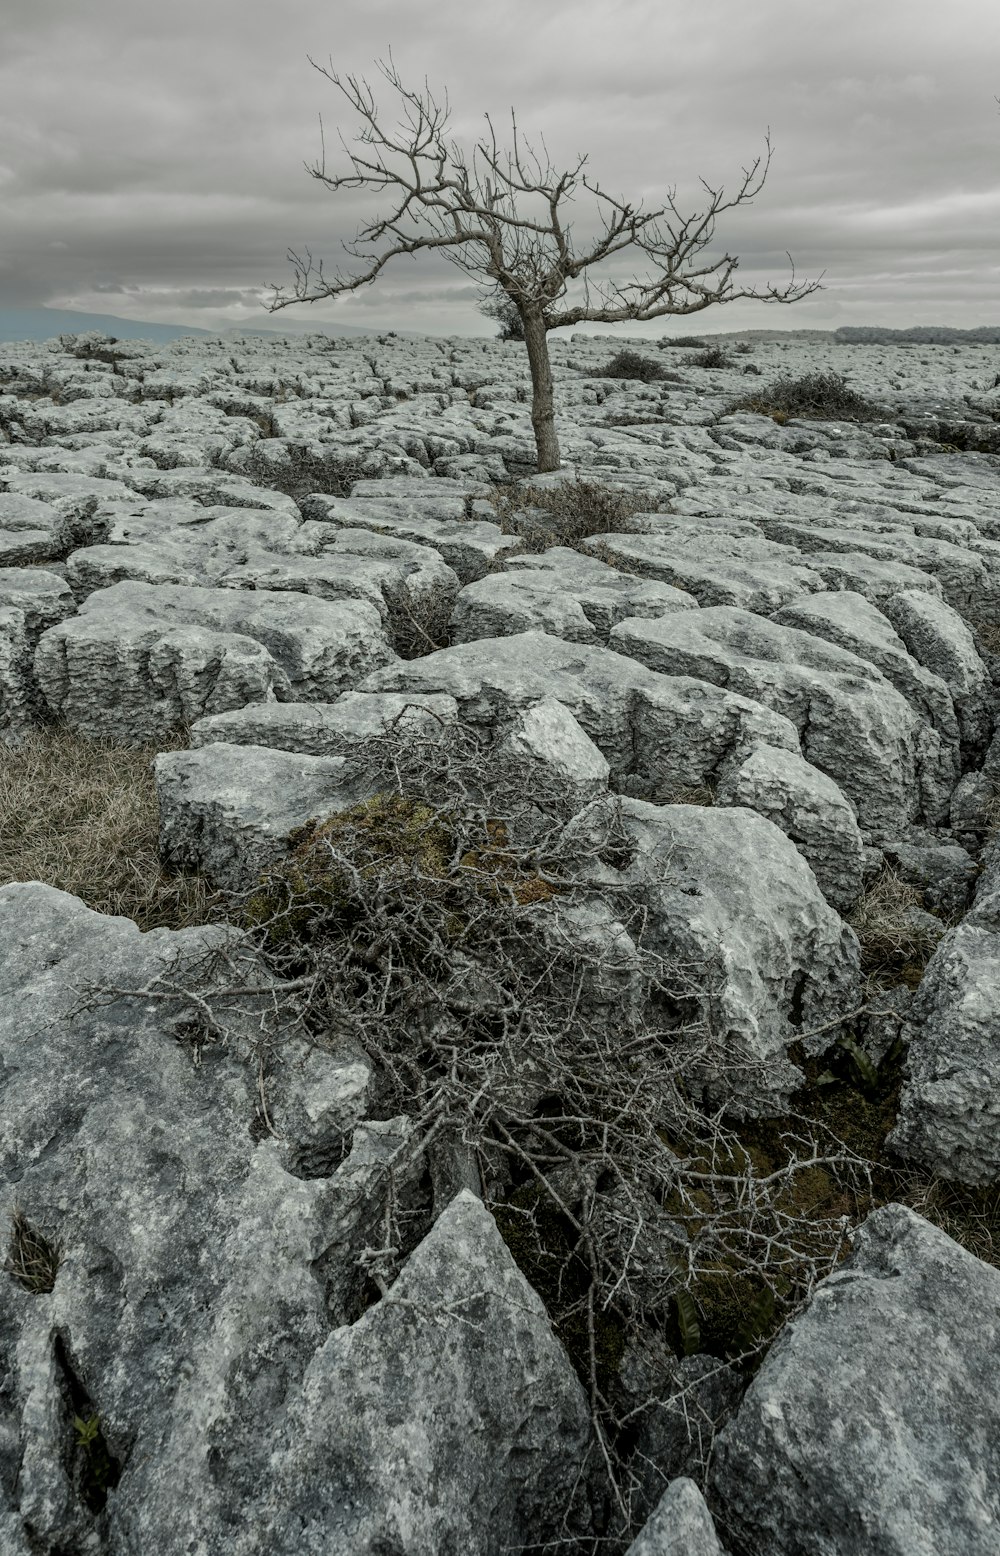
82	815
565	514
893	939
31	1259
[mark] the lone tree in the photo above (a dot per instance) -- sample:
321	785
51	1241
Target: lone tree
480	222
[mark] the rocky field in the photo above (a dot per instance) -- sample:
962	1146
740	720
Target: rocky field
571	1122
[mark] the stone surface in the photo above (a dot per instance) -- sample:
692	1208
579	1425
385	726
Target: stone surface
680	1526
728	893
852	724
324	728
949	1108
810	809
227	810
140	659
871	1429
273	521
228	1374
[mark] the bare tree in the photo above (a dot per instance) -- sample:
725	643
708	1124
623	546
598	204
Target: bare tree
476	218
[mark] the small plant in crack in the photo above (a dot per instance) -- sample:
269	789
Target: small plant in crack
97	1466
31	1259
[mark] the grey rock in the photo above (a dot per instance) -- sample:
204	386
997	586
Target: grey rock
749	572
547	742
852	622
560	591
853	725
325	728
204	1373
877	578
680	1526
973	809
810	809
871	1428
140	659
471	547
949	1108
657	731
227	810
427	1389
939	639
726	891
31	600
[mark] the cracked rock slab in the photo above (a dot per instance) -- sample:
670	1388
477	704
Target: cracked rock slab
852	723
140	659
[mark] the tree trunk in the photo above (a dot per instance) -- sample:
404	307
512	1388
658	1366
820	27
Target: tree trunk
543	418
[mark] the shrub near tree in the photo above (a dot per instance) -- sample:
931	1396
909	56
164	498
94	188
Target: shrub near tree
485	218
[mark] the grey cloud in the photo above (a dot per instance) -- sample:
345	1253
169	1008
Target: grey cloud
164	146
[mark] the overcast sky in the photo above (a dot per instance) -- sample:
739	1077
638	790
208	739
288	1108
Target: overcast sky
151	154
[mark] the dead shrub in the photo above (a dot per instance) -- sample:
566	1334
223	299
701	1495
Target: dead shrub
82	815
816	396
564	515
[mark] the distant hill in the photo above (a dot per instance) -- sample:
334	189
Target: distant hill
46	323
918	335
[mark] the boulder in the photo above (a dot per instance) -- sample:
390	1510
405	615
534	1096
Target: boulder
853	725
194	1302
227	810
810	809
727	893
140	659
872	1428
680	1526
446	1418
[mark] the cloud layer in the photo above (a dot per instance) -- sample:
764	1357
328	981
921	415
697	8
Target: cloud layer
151	158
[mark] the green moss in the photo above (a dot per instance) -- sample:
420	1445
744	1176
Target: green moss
394	841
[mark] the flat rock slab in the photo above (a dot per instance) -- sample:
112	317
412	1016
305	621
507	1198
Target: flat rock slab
562	592
140	659
851	621
853	725
472	547
969	581
324	728
746	571
875	577
872	1429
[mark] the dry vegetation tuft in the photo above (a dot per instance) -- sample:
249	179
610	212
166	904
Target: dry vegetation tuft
889	921
31	1259
564	515
82	815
